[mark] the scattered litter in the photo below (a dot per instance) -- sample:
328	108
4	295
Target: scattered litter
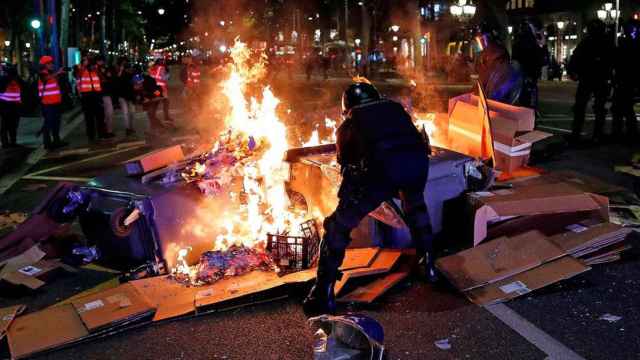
610	318
443	344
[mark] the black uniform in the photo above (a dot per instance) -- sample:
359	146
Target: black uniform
626	88
382	155
531	57
591	66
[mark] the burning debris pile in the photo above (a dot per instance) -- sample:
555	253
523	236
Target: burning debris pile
243	177
215	265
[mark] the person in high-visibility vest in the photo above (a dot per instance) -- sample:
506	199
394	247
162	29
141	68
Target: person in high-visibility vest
160	74
90	89
50	100
190	76
10	100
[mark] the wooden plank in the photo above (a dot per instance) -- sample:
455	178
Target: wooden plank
358	258
383	263
368	293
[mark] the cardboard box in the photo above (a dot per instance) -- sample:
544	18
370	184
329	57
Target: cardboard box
493	207
154	160
527	281
498	259
44	330
510	128
112	307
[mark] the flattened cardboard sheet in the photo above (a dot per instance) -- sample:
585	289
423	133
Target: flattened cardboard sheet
170	298
580	238
7	315
359	258
525	282
498	259
237	286
110	307
44	330
370	292
383	263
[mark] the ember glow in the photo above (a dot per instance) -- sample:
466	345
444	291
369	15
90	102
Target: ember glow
315	140
245	167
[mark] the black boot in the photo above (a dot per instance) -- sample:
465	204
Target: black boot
321	299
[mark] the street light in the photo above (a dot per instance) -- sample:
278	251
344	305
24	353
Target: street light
463	10
35	24
7	43
560	25
28	45
395	28
161	11
357	41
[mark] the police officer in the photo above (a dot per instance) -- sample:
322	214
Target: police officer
591	65
498	79
11	86
160	73
382	155
50	94
625	83
529	52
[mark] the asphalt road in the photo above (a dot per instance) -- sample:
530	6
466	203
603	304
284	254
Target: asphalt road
561	320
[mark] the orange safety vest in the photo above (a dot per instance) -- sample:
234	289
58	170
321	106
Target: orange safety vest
193	77
49	92
89	81
157	72
12	93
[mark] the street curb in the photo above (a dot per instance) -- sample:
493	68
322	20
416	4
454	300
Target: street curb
6	182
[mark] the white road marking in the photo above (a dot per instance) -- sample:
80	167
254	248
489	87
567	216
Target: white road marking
540	339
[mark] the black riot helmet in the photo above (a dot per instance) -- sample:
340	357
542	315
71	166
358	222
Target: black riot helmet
359	93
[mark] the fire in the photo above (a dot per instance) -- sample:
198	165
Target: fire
251	152
436	131
315	140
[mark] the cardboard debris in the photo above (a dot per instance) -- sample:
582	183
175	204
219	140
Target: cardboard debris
497	259
383	263
525	282
237	286
610	254
368	293
581	240
44	330
34	276
111	307
7	316
29	257
358	258
474	120
154	160
491	207
170	298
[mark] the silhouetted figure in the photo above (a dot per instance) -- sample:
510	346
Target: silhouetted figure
591	65
530	54
625	83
